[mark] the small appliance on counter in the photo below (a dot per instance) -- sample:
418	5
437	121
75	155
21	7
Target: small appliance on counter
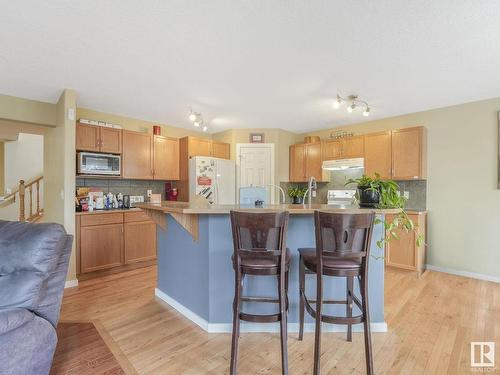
341	198
136	199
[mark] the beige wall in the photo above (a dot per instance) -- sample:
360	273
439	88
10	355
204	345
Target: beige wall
32	111
59	171
462	195
138	125
2	168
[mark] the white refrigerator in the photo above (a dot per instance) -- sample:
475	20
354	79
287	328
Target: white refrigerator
213	179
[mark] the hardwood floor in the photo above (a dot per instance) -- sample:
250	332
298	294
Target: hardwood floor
431	324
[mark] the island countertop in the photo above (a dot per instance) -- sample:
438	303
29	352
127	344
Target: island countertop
294	209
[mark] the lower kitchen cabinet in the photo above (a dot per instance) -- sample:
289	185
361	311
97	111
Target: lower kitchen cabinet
114	242
404	253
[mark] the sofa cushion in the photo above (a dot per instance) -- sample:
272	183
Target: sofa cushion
14	318
29	253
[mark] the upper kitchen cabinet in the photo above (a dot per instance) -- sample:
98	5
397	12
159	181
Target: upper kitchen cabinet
166	158
98	139
346	148
409	154
305	162
137	159
378	154
199	147
221	150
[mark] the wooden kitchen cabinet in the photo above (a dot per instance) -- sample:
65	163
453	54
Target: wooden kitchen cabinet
345	148
98	139
297	163
221	150
166	158
378	154
409	154
137	158
404	253
305	162
113	241
101	247
199	147
139	237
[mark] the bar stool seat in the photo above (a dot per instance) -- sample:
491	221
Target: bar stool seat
330	265
263	265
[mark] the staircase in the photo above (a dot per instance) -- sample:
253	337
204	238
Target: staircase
28	196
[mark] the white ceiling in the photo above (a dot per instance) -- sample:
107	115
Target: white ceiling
257	63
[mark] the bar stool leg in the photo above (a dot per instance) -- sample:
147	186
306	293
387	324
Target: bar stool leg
317	338
283	325
366	325
349	291
302	282
236	322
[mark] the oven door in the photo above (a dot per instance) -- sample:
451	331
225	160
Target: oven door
99	164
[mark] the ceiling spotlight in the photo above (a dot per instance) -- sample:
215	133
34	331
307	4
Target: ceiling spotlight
197	124
337	102
351	108
193	117
205	128
366	112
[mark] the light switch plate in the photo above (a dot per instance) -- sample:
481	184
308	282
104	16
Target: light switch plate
149	192
71	114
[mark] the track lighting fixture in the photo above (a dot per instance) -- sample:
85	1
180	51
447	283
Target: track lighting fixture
354	101
197	119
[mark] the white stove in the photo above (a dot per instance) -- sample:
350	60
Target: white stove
341	198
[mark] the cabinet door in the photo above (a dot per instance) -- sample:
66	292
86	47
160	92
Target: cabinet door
140	241
353	147
221	150
101	247
111	140
332	150
137	155
378	154
297	163
402	253
408	154
200	147
313	161
166	158
87	137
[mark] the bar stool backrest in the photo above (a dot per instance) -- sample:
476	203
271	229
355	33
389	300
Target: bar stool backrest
260	234
340	235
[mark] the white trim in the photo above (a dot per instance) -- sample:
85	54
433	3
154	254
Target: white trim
71	283
256	327
473	275
195	318
273	161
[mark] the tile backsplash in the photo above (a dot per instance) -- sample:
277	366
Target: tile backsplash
127	187
417	190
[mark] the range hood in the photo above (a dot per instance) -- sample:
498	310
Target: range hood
341	164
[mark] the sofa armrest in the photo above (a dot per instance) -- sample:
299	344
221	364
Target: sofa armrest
11	319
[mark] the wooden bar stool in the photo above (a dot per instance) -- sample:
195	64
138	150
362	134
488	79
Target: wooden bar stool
342	250
259	249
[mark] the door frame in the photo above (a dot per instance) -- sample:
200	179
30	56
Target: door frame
238	165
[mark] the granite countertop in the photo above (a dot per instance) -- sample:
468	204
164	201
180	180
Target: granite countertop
102	212
294	209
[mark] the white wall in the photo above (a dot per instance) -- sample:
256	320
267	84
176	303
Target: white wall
23	159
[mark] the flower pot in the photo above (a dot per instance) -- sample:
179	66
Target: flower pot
298	200
368	198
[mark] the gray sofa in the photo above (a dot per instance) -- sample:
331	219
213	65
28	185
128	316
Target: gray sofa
33	266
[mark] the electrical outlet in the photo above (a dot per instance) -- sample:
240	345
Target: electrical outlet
149	192
8	191
406	194
313	194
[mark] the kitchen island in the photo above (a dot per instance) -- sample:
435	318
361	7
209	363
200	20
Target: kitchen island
196	277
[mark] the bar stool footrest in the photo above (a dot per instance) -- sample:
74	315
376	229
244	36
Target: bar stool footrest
260	318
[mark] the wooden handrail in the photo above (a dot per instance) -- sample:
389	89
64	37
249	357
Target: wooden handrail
21	190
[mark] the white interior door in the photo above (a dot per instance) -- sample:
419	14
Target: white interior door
256	166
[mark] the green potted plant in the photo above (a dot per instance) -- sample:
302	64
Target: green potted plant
384	194
297	194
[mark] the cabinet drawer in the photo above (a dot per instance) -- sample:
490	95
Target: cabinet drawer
136	216
100	219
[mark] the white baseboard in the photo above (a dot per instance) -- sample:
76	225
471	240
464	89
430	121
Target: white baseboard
71	283
472	275
257	327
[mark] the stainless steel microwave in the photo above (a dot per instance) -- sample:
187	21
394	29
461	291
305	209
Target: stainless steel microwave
98	164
